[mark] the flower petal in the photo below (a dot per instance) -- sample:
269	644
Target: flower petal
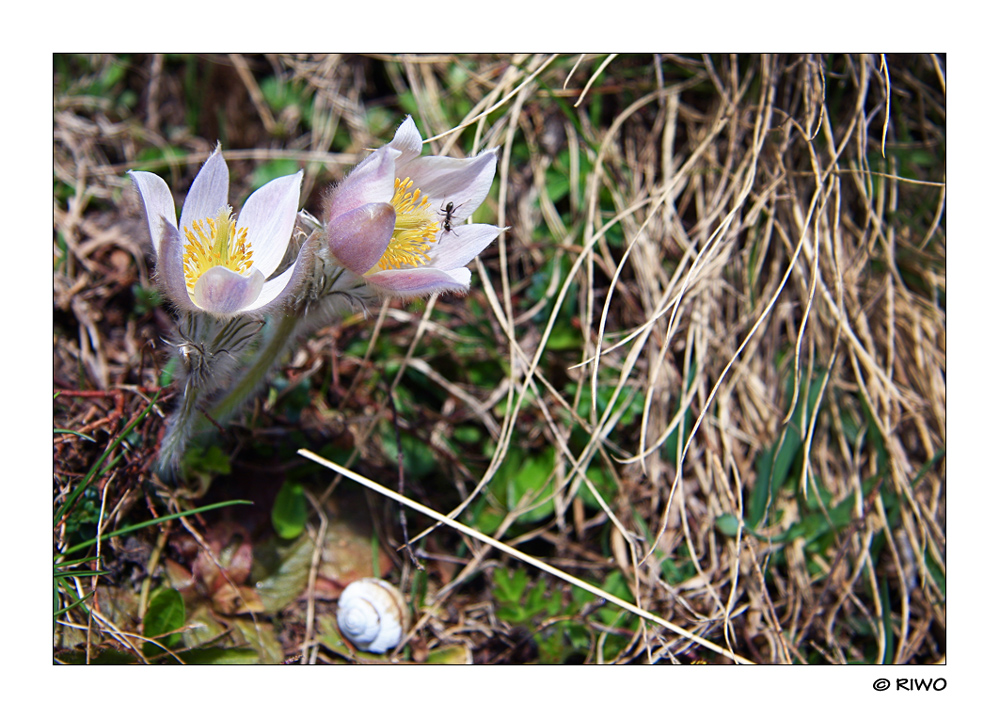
371	181
274	290
279	289
458	247
269	216
407	140
465	183
157	204
170	267
224	292
421	281
359	238
209	192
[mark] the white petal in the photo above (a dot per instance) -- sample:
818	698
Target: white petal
277	289
463	182
209	192
271	291
269	216
458	247
407	140
157	204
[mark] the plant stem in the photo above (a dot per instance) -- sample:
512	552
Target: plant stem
256	373
178	431
190	419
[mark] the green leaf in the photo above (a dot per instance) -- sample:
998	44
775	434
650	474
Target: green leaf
485	517
508	590
209	460
670	445
603	483
530	483
728	524
419	459
164	615
890	635
611	615
773	467
936	572
536	598
290	511
328	634
281	577
521	482
509	586
261	637
454	654
564	337
221	655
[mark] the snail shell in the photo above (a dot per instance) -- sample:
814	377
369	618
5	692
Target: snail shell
372	614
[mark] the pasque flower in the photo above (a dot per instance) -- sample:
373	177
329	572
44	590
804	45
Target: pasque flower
396	218
211	261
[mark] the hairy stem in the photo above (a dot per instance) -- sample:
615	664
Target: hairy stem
191	420
251	379
178	432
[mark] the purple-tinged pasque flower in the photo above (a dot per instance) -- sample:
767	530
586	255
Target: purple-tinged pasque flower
395	220
211	261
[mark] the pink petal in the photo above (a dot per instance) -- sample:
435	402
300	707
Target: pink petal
224	292
421	281
358	238
170	267
463	182
370	181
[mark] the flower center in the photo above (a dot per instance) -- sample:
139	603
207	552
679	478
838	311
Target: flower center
415	231
214	243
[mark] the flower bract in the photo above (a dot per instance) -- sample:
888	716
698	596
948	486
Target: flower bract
396	219
215	262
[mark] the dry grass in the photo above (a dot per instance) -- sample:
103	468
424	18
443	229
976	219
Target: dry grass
706	256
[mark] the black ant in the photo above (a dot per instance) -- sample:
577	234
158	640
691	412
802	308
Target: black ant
448	211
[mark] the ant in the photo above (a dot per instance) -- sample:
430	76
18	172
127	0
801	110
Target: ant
448	211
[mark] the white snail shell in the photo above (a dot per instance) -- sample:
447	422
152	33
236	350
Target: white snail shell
372	614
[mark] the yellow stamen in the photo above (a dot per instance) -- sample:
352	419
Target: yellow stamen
415	231
213	243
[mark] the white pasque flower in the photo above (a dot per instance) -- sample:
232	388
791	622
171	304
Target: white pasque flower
395	220
212	262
